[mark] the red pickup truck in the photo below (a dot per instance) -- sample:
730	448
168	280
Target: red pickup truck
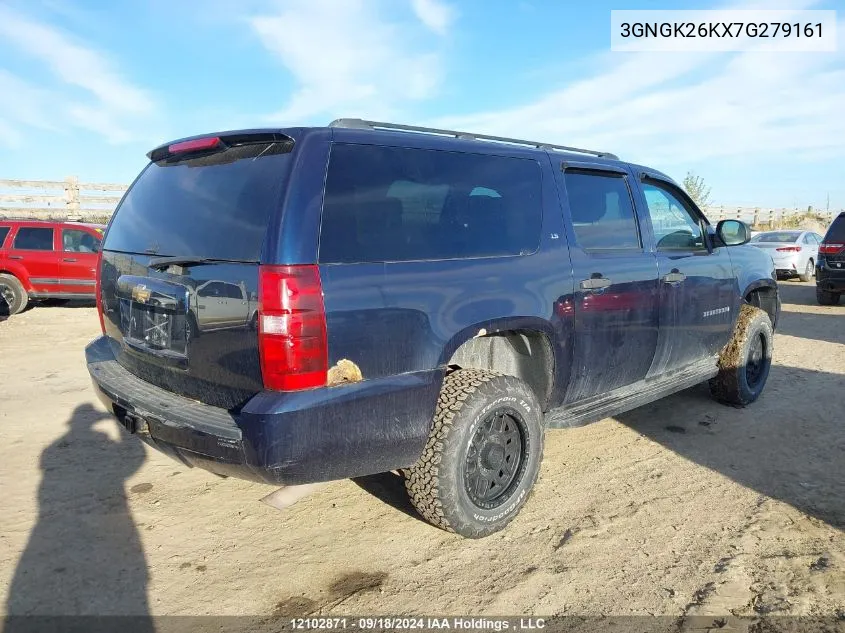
47	260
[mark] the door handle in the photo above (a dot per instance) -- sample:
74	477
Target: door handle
15	256
595	283
674	277
68	259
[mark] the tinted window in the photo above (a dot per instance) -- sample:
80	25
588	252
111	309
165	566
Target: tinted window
601	209
216	206
836	232
4	231
398	204
675	226
213	289
30	238
231	291
76	241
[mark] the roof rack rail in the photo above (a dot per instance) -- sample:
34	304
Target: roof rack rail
361	124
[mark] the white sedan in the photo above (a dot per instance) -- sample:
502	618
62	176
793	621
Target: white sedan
794	252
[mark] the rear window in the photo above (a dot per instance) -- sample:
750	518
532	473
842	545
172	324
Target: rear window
836	232
400	204
4	231
780	237
34	239
217	206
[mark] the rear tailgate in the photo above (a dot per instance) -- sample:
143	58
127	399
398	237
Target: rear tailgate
179	271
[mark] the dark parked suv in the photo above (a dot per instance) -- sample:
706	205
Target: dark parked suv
830	267
427	301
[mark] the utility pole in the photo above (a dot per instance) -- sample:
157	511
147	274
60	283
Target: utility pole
828	202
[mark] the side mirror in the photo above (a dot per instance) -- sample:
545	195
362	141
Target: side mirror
733	232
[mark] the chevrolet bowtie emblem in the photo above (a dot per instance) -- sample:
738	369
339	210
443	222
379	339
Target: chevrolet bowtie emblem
141	294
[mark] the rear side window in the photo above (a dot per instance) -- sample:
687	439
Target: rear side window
4	231
400	204
30	238
836	232
602	211
215	206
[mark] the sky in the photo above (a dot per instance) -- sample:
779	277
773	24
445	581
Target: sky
88	87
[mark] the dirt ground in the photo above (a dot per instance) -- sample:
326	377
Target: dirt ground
683	507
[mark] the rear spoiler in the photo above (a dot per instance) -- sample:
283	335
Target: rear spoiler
210	143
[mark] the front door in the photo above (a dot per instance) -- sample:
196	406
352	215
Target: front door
615	302
78	262
697	285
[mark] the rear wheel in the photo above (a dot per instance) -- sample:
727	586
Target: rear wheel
12	294
745	361
483	454
827	298
807	275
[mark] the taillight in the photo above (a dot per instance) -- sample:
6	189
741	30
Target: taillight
789	249
292	338
97	289
830	248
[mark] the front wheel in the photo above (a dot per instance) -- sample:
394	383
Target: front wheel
483	454
807	275
745	361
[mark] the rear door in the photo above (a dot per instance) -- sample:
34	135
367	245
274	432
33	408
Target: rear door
698	295
810	248
33	247
78	261
208	213
4	232
615	281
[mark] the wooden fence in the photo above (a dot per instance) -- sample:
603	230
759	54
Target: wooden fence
74	200
757	216
66	199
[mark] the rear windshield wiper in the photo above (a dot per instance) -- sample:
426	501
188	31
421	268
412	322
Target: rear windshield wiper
164	262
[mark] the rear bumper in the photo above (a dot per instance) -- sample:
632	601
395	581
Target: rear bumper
282	438
830	278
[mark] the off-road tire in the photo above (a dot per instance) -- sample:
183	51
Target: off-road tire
732	385
12	293
827	298
807	275
436	483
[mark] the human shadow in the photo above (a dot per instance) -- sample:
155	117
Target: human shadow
84	555
788	445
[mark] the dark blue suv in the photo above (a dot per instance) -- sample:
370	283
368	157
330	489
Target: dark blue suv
830	267
308	304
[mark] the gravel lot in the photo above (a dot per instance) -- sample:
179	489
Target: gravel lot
683	507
